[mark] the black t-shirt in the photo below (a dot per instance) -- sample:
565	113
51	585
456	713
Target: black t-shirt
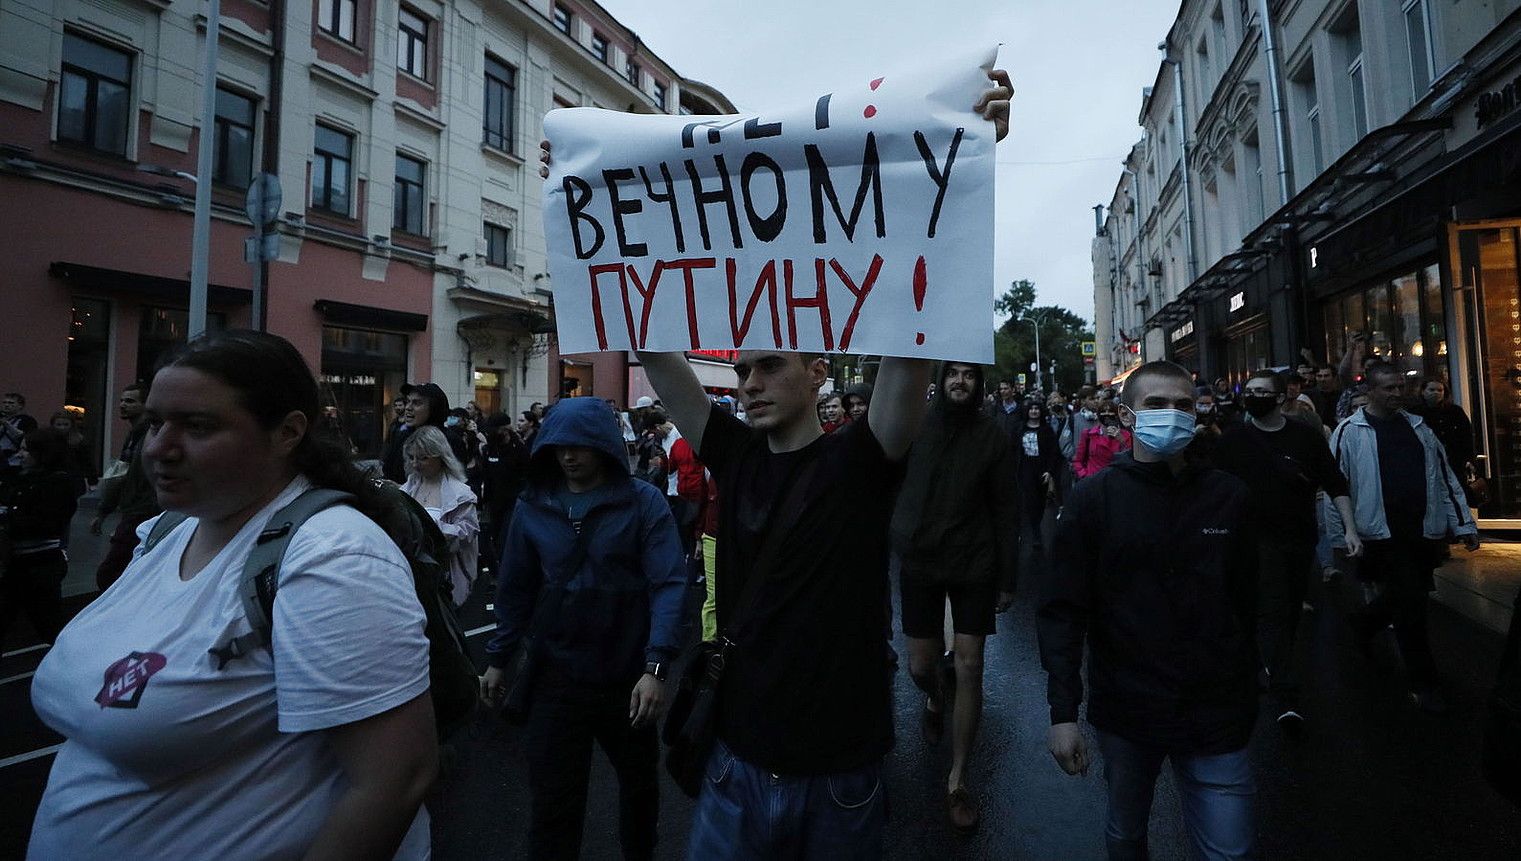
1402	473
1284	468
807	689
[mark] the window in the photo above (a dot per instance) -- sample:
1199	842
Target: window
1359	97
564	18
233	140
336	18
660	95
1217	29
412	44
1309	101
599	46
94	95
1251	183
409	205
632	71
498	245
501	93
1418	38
332	163
1348	43
1206	75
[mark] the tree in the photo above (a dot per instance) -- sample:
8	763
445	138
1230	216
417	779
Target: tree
1061	335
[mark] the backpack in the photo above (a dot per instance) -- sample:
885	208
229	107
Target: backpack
452	680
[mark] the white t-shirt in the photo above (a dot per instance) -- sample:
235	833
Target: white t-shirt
167	757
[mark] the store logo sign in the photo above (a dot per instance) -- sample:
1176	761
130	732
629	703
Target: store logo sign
1492	106
1182	332
1238	301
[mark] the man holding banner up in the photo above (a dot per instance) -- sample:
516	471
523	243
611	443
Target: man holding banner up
804	707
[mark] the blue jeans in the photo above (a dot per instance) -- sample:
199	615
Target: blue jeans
1218	794
744	812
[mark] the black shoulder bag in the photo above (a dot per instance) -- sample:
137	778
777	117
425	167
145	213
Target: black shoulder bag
691	723
529	658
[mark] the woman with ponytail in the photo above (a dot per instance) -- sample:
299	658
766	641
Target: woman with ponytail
173	753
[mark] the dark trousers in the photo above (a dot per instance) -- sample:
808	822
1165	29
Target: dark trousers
562	724
1403	567
1282	583
32	585
118	552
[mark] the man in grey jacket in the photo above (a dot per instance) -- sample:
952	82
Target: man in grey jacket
1406	502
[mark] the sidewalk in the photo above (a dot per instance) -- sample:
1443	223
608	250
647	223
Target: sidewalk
1482	585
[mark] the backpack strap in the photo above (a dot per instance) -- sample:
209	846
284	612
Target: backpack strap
164	525
261	571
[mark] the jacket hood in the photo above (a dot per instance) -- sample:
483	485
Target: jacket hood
941	405
438	402
577	421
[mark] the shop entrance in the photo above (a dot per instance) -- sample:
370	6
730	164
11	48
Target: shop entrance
1487	303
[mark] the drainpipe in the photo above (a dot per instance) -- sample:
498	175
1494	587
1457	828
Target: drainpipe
277	16
1188	197
1275	95
1140	240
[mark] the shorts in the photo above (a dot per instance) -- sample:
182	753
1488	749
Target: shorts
974	607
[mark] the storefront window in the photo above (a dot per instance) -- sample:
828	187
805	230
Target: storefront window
1407	346
1434	329
1403	319
1246	353
89	350
163	330
362	371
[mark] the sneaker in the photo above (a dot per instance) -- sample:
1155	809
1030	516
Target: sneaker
961	810
1291	723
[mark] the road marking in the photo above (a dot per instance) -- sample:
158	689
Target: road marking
35	648
16	678
481	630
29	756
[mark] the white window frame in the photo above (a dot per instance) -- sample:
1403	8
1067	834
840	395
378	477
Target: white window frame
1427	47
331	20
412	43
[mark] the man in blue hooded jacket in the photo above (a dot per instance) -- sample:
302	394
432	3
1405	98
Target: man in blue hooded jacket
605	655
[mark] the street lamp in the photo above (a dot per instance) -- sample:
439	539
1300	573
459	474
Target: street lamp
1036	322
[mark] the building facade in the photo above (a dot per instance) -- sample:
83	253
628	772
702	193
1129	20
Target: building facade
404	138
1345	166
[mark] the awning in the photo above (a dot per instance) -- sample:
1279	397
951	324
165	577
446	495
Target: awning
169	291
345	314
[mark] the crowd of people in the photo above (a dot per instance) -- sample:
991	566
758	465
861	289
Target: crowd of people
760	532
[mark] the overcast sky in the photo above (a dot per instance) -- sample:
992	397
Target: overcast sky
1078	68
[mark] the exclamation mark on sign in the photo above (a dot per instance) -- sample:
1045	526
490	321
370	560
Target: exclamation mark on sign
920	282
871	110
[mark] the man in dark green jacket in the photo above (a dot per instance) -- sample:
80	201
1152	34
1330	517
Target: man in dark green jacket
956	529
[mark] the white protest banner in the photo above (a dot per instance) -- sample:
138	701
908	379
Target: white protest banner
859	221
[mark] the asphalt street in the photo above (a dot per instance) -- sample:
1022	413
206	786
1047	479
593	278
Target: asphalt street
1371	779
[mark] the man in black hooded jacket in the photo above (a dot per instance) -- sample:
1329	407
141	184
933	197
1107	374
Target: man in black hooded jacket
956	530
1160	580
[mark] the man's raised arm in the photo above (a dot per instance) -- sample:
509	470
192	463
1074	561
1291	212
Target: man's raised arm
898	404
680	393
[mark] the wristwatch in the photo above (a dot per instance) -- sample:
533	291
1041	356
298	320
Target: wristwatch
657	669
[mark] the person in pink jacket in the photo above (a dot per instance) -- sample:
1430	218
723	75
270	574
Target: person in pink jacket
1099	444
